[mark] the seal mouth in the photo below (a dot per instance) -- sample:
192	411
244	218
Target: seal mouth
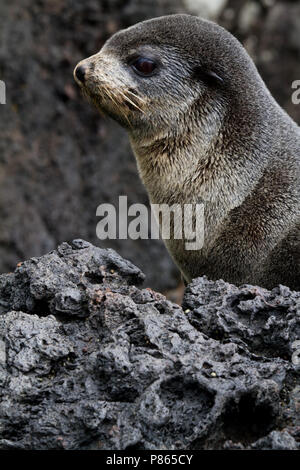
112	100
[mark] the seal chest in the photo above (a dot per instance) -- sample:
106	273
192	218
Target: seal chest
205	129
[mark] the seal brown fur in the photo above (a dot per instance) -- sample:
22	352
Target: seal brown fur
204	128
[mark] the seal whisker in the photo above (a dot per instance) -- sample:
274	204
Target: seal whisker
131	102
113	97
137	97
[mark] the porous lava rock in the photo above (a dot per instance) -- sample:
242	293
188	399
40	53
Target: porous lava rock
89	359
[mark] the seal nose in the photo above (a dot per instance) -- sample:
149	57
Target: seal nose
80	73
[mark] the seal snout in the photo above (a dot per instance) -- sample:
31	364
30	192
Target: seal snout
80	73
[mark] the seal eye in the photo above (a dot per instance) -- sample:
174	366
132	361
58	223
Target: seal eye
144	66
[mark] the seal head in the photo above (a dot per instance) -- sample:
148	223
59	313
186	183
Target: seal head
173	60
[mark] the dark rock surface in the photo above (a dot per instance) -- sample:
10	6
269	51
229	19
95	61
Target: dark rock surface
59	159
91	360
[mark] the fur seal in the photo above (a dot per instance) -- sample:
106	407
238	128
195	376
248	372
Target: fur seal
204	127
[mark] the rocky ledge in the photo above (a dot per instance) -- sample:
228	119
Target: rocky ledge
90	360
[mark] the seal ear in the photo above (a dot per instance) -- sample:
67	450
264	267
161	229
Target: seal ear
209	77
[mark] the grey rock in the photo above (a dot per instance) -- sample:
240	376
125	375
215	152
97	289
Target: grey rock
276	441
265	322
91	360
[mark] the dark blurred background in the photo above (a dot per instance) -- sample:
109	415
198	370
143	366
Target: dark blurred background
59	159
